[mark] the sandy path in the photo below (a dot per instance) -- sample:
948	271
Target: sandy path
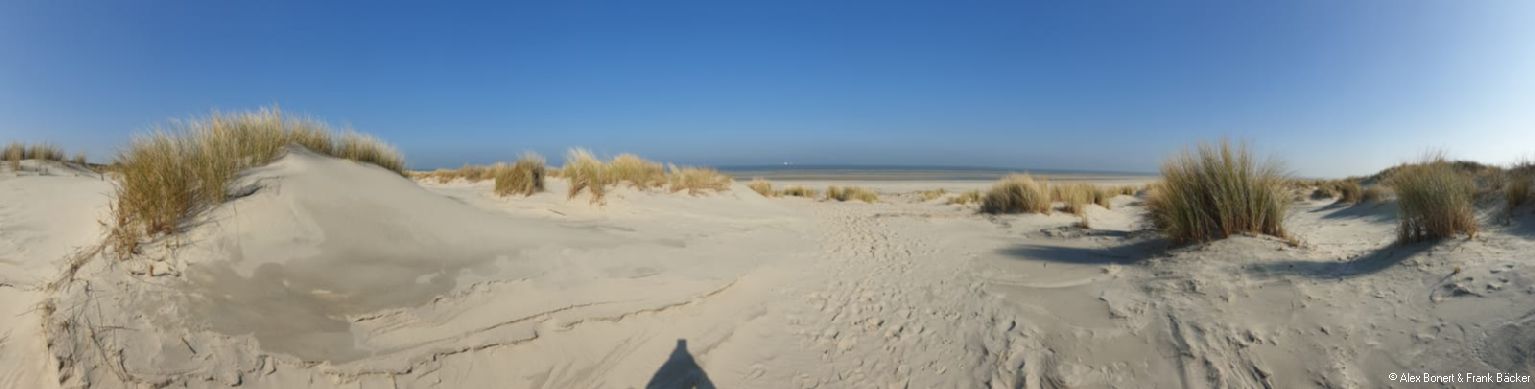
872	324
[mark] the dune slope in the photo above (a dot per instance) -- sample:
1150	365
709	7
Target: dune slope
49	211
329	273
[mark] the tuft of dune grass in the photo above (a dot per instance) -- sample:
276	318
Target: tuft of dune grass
1517	192
638	172
525	177
966	198
1017	193
1324	192
444	176
80	159
170	174
368	149
839	193
1374	194
1218	190
697	180
1076	196
1434	200
311	134
585	172
1104	196
798	191
14	153
762	187
1521	178
1349	192
930	195
45	152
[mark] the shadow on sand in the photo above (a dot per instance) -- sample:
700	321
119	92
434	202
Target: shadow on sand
680	371
1380	212
1371	263
1132	252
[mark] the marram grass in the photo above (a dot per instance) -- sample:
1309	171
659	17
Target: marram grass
523	178
585	172
762	187
1215	191
1017	193
845	193
966	198
166	176
1434	200
697	180
1349	192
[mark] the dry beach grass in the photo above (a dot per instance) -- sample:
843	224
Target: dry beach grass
166	176
1435	200
1217	190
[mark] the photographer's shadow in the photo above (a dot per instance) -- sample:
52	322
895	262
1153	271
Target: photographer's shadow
680	371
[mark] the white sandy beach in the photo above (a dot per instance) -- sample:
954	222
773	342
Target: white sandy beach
331	273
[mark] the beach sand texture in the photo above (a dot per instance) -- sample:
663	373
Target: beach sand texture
331	273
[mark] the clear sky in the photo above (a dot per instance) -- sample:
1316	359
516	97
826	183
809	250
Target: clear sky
1332	87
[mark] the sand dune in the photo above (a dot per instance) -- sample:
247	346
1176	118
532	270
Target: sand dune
330	273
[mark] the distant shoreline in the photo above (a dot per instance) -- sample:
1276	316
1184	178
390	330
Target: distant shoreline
900	173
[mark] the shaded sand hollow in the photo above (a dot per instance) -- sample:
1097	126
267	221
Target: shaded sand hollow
329	273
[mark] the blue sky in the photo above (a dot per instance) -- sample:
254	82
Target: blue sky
1331	87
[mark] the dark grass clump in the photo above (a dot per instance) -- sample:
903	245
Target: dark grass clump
523	178
1218	190
1349	192
1434	200
851	193
798	191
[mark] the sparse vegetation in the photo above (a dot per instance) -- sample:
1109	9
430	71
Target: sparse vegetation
968	197
1349	192
80	159
15	152
1076	196
45	152
1374	194
638	172
930	195
585	172
1103	196
762	187
525	177
1017	193
1521	178
168	175
1518	191
1434	199
1215	191
1324	192
368	149
697	180
798	191
851	193
470	173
